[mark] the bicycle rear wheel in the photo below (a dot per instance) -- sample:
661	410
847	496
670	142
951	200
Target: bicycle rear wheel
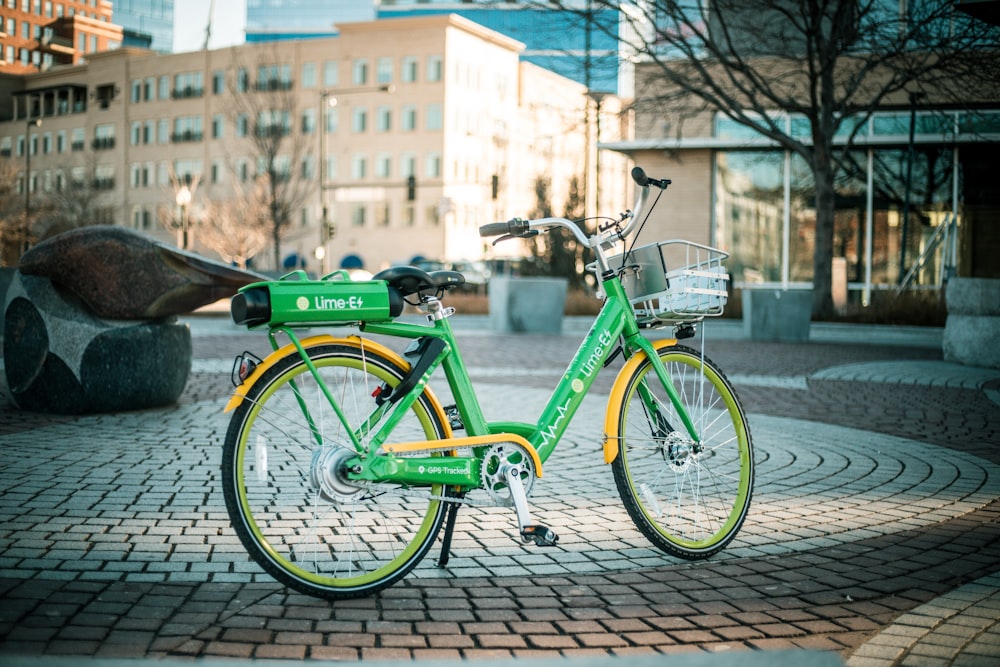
688	496
294	510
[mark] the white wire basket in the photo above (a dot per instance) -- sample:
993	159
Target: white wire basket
661	295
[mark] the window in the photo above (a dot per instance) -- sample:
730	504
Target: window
164	88
434	120
242	125
163	131
433	166
274	77
274	122
148	129
242	80
61	141
360	72
136	134
383	165
383	215
409	119
359	167
218	125
384	71
79	139
409	70
187	170
359	120
331	119
408	165
136	91
104	177
309	121
104	136
218	169
330	73
187	128
384	119
433	215
434	67
358	215
308	75
218	82
187	85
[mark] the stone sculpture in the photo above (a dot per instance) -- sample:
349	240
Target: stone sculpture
90	320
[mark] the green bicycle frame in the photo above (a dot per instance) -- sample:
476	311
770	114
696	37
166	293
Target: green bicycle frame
614	325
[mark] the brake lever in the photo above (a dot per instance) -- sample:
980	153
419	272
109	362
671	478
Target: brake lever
508	237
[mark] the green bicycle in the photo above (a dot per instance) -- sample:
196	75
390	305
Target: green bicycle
340	464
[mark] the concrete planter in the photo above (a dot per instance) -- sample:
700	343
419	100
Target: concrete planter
770	314
527	305
973	326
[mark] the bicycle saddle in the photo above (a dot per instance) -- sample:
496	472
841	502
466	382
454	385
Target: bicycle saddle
410	280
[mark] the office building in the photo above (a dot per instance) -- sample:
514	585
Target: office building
570	45
160	142
37	36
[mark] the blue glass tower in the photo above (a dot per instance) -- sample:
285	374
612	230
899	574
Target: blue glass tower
579	47
146	18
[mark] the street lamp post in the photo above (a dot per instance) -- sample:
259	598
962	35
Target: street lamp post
183	199
36	122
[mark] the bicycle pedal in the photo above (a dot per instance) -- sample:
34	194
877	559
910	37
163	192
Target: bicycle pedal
542	536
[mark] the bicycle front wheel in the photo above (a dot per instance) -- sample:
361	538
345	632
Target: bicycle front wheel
688	496
283	464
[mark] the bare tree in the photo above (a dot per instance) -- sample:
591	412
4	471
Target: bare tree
831	62
238	228
265	112
76	199
15	227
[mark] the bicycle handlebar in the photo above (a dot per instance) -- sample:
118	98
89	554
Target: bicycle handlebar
518	227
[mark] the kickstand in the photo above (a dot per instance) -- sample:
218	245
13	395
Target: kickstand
449	530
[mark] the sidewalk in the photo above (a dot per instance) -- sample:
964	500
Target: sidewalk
873	534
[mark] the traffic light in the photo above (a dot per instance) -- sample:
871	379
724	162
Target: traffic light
411	187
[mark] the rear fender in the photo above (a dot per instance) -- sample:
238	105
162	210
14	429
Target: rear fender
313	341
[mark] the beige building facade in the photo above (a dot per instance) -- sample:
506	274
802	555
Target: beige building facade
403	136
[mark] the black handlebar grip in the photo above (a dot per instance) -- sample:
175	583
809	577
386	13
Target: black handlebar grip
639	176
642	180
514	227
494	229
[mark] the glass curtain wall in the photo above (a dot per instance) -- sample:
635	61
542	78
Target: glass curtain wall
765	213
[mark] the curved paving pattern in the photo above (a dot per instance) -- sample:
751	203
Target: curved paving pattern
135	498
114	541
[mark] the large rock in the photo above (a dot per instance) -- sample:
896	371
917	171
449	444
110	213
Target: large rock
122	274
972	329
61	358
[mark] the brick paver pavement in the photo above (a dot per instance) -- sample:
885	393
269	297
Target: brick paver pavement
876	506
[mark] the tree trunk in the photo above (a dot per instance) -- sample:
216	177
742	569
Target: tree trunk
822	169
